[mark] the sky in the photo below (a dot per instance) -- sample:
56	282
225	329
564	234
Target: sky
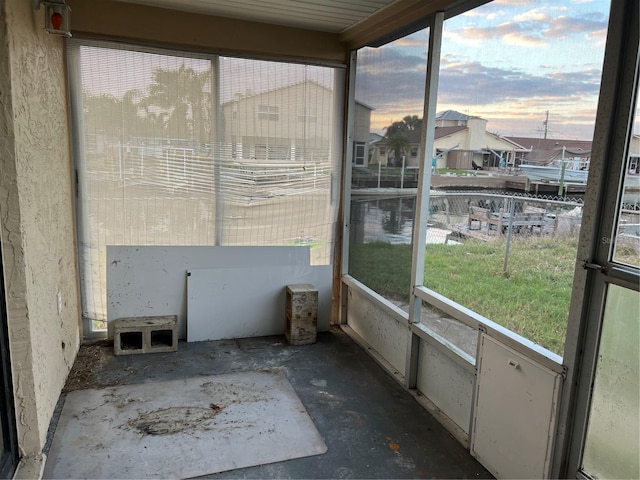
509	61
114	71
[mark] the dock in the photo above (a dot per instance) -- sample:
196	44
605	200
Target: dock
480	181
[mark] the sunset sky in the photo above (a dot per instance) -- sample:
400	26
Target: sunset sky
508	61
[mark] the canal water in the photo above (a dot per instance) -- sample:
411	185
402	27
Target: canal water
390	220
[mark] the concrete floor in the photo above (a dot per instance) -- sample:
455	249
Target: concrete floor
372	427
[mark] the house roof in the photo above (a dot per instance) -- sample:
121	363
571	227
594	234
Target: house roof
452	115
414	135
308	82
446	131
545	150
550	143
364	104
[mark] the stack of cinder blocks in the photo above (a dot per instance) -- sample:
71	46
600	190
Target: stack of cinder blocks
301	311
145	335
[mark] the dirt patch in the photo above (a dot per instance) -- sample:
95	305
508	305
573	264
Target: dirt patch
88	360
172	420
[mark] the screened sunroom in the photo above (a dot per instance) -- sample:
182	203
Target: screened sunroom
201	161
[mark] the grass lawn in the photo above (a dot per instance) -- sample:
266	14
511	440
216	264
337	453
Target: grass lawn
532	300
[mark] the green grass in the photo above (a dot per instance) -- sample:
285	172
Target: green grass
383	267
532	300
453	171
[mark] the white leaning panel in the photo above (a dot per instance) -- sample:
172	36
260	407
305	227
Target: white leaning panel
249	302
150	280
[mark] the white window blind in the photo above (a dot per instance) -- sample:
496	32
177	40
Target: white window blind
179	149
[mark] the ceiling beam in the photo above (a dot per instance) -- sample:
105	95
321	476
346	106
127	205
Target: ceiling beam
153	26
401	18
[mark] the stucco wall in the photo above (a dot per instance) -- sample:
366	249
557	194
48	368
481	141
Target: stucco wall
36	212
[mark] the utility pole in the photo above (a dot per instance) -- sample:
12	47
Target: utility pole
546	124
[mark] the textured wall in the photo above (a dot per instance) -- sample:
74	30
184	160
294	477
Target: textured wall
36	212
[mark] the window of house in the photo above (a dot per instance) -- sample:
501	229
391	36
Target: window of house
305	115
414	152
358	153
268	112
383	150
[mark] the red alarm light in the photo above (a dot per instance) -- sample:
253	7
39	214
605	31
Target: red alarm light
56	20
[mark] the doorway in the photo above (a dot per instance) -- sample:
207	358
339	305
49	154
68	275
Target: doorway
8	443
605	432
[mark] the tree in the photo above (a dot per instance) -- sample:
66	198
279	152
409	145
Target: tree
117	120
398	143
100	115
397	136
181	100
412	122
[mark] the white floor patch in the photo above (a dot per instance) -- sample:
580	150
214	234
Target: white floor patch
182	428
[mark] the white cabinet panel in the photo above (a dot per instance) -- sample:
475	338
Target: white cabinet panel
515	412
446	384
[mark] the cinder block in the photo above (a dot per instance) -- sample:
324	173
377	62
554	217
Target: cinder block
301	313
135	335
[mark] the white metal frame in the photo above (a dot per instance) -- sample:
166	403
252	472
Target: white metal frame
422	201
616	104
618	96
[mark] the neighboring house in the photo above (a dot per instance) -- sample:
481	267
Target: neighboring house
361	133
271	125
634	155
543	151
460	141
451	118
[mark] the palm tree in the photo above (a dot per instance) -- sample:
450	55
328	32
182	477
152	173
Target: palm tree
181	98
397	135
398	143
412	122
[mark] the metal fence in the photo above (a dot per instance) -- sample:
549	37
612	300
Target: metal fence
489	216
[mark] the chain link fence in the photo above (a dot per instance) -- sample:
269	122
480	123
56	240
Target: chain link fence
486	216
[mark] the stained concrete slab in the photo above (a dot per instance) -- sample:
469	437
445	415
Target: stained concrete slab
372	427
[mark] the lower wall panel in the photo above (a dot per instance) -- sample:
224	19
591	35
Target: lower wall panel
379	329
446	384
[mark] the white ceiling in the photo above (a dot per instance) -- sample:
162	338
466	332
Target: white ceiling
324	15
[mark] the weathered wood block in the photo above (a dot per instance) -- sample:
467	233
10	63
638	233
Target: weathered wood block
135	335
301	313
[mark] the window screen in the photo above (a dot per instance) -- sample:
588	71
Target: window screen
177	149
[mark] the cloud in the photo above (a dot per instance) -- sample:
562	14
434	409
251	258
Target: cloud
600	35
533	28
418	39
563	26
388	76
506	92
514	101
506	97
471	82
511	33
535	15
